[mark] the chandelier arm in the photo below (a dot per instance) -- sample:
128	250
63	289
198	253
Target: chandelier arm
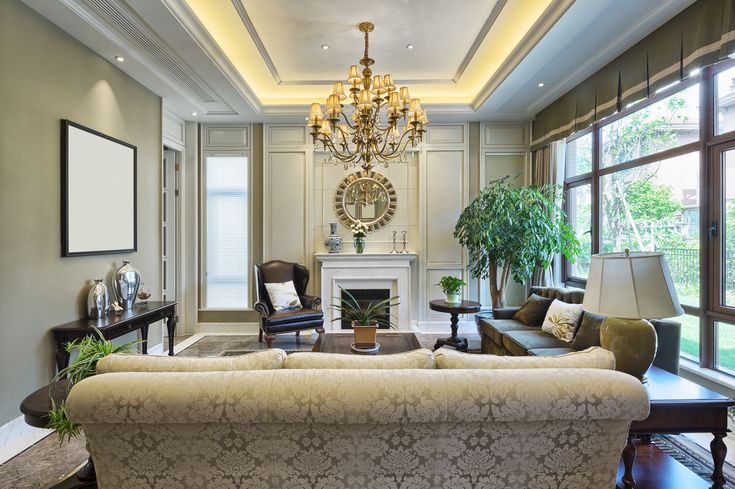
339	154
401	145
347	121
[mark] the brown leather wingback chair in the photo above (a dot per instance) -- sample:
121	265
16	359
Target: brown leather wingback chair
272	322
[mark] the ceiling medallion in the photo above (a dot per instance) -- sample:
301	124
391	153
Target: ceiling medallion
368	136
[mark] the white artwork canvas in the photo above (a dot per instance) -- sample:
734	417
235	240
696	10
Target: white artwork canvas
99	192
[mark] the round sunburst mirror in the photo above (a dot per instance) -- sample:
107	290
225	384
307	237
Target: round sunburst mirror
365	196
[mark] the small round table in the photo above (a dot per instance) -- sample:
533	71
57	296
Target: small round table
464	307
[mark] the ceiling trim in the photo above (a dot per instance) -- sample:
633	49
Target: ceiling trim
245	18
196	30
489	22
615	47
540	28
487	25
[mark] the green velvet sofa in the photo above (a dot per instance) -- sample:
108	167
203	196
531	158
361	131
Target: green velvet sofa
503	335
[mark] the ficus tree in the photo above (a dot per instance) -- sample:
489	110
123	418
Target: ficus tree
508	231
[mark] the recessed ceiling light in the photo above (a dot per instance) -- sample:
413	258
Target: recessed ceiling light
541	84
119	59
195	113
409	46
325	47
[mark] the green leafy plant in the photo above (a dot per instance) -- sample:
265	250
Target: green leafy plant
509	231
451	285
90	350
350	310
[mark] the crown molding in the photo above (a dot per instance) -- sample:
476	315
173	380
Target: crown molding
193	26
489	22
540	28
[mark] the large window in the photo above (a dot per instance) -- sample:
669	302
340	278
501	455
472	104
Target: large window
226	263
649	179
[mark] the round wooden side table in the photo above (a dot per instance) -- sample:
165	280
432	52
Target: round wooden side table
464	307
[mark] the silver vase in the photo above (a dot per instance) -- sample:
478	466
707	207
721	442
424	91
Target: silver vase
98	301
127	281
333	242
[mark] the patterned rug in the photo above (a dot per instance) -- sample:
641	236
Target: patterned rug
692	456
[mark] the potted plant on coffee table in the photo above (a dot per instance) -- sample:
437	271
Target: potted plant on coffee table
365	319
452	287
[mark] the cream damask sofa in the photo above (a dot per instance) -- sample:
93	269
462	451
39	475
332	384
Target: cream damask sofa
415	420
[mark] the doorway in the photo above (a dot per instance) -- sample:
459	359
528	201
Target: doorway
170	212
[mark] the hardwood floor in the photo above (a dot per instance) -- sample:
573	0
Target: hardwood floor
655	469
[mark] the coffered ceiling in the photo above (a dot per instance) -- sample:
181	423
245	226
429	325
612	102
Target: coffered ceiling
262	60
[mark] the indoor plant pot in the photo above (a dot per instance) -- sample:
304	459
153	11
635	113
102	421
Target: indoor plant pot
452	287
366	336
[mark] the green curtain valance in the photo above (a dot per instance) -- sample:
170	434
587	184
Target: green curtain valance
700	35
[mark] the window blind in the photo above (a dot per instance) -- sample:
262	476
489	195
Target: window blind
226	232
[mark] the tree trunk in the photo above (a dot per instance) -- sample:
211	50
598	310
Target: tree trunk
497	288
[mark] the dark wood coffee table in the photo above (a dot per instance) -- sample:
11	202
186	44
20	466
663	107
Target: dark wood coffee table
464	307
680	406
389	343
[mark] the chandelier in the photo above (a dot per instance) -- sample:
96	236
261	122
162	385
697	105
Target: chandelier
384	119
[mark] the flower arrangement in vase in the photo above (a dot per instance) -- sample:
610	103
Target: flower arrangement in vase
452	287
359	231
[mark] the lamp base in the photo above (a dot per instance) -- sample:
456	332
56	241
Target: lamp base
632	341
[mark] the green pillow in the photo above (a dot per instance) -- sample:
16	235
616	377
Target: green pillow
533	311
588	333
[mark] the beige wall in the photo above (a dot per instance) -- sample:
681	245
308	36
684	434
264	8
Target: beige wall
46	75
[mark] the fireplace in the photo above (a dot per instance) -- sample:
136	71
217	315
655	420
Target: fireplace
365	297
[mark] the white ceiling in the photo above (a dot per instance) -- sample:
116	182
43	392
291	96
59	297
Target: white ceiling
192	75
442	35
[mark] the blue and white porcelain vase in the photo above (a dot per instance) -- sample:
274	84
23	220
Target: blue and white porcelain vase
333	242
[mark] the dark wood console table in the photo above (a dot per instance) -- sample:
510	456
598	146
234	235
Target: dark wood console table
680	406
115	325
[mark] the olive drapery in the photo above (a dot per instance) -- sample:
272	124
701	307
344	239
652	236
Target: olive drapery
700	35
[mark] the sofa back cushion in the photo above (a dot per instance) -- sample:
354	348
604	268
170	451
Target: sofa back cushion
595	357
589	331
569	295
533	311
421	359
122	362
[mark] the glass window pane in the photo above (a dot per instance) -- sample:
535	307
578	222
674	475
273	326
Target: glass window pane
725	347
579	155
655	207
671	122
580	217
689	336
226	281
728	228
725	101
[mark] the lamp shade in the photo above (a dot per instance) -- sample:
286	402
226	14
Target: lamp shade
635	285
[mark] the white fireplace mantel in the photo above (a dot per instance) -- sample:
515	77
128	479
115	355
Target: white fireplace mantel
367	271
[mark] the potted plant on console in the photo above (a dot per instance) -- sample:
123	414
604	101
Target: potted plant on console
365	319
452	287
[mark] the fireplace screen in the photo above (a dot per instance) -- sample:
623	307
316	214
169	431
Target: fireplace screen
365	297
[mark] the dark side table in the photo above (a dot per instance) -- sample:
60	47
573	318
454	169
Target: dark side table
35	410
464	307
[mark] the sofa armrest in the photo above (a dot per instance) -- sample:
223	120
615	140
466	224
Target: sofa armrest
263	309
311	302
505	312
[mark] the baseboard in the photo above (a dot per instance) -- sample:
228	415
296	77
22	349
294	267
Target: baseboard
228	328
16	436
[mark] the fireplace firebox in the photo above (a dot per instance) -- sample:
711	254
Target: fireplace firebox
365	297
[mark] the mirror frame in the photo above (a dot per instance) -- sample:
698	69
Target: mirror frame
339	204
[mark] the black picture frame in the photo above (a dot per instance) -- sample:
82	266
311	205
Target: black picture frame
70	222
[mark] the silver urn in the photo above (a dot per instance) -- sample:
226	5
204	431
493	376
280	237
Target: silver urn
333	242
98	301
127	281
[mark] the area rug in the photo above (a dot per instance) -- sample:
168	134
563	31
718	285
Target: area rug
692	456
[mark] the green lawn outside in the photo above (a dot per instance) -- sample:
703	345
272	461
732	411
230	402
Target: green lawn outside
690	336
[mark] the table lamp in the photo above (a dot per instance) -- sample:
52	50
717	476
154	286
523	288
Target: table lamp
630	288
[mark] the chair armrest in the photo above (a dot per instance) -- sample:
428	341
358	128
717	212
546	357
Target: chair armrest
263	309
311	302
505	312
